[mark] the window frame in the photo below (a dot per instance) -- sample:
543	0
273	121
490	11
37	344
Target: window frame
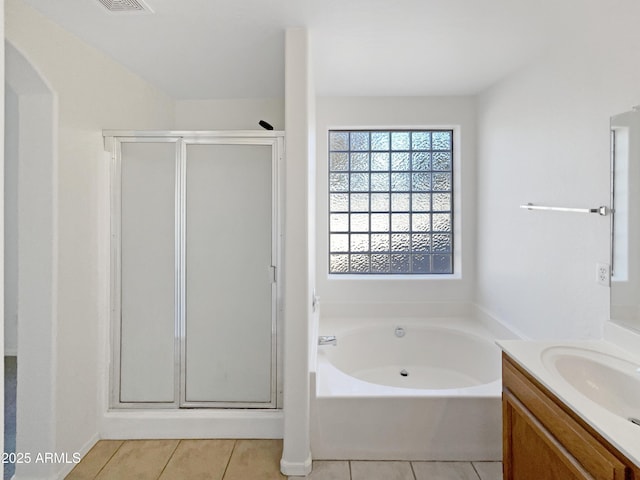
455	211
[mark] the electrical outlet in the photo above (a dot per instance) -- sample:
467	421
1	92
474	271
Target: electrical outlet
603	274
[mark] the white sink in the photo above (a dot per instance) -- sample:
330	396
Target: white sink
609	381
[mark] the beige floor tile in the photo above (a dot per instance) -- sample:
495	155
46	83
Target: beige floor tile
329	470
94	460
444	471
255	459
199	460
370	470
489	470
139	460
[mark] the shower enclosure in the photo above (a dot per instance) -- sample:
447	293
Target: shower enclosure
194	269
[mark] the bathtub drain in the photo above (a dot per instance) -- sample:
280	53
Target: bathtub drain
404	373
634	420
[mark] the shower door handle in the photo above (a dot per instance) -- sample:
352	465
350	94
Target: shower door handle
273	274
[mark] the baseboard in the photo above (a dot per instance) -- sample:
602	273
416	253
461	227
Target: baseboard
296	469
66	468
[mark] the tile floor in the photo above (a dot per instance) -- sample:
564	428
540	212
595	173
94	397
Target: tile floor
249	460
361	470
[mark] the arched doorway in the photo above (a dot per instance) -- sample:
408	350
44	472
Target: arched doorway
30	208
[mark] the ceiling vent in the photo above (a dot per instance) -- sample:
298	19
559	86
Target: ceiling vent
125	5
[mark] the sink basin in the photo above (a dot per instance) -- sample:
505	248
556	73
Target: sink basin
609	381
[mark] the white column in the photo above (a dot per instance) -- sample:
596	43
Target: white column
296	455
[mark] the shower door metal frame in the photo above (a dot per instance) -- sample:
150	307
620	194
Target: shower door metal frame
113	143
276	143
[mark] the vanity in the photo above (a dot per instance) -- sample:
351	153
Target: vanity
568	411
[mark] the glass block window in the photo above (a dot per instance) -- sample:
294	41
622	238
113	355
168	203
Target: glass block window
391	202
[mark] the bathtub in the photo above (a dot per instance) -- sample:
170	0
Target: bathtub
407	389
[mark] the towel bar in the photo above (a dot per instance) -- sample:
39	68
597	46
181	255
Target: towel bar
602	210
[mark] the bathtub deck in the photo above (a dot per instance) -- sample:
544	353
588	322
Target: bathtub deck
354	419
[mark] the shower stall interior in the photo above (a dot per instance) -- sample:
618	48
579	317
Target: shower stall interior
194	269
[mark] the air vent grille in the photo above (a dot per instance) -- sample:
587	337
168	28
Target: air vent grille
125	5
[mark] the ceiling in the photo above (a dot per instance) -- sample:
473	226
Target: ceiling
205	49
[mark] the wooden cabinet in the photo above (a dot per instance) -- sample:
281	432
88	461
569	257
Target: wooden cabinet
543	439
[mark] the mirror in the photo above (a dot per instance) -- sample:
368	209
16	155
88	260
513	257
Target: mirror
625	221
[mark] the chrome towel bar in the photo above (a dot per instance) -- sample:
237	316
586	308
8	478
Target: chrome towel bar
602	210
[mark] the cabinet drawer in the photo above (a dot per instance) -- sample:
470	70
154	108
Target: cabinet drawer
576	440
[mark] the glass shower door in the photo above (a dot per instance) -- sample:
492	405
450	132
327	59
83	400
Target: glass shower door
194	250
146	285
228	325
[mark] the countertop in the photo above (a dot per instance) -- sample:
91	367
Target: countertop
620	432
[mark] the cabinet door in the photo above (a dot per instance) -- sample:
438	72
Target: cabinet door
147	277
530	451
543	441
229	323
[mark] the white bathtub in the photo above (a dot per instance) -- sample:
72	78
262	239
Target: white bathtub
432	394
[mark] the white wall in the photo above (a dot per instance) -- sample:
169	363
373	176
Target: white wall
93	93
229	114
11	223
544	138
433	295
